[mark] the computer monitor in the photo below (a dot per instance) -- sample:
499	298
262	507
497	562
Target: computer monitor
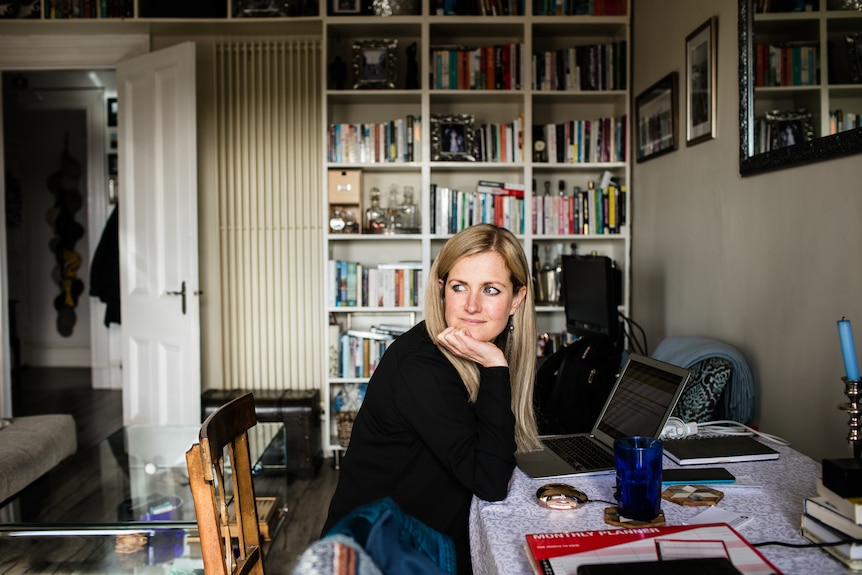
591	293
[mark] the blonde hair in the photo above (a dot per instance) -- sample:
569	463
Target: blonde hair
518	344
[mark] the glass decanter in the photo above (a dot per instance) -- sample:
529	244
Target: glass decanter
410	217
375	218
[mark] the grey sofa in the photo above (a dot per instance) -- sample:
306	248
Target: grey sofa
31	446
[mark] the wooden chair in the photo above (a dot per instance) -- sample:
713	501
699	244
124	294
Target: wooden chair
225	433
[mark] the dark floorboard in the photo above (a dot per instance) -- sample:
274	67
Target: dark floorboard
99	413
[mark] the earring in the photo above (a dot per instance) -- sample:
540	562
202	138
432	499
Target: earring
509	338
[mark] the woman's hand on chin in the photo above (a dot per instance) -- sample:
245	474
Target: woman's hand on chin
462	344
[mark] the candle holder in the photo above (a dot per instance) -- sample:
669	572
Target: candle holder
854	410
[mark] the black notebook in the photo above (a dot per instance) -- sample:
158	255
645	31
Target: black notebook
717	449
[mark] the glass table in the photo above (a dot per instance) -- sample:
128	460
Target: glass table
123	504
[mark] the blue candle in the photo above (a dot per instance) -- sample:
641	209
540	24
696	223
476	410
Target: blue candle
848	348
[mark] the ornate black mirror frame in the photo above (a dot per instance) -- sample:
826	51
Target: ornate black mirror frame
818	149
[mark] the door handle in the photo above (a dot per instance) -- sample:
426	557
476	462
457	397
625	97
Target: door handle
182	293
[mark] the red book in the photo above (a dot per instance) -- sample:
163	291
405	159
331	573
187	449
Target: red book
563	552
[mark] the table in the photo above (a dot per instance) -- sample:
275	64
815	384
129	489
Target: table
498	529
134	483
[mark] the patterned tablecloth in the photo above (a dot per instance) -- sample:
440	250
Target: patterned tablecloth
497	530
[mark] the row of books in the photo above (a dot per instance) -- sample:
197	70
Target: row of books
580	7
353	284
589	67
583	141
479	7
55	9
502	143
494	67
791	64
398	140
841	121
356	353
832	518
359	352
767	6
453	210
583	212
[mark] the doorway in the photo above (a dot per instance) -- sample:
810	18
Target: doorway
57	157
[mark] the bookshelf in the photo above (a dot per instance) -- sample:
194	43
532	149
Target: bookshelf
480	93
806	73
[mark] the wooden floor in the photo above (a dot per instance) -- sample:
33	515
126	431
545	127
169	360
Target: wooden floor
99	413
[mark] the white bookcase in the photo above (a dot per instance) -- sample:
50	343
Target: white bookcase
536	33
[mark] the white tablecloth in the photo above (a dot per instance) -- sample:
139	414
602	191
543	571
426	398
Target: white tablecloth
497	529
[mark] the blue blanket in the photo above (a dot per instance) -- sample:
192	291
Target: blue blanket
738	397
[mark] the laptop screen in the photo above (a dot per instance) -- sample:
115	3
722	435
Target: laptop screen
644	398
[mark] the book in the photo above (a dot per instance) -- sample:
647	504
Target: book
717	449
850	507
820	509
850	553
563	552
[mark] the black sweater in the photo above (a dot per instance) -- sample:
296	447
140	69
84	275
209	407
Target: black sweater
418	440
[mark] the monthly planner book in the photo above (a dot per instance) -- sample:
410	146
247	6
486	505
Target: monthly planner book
563	552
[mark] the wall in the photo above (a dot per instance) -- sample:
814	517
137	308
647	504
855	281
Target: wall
33	271
767	263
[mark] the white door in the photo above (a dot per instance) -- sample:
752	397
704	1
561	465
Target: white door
158	237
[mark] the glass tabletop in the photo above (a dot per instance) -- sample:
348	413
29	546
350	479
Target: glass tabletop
135	479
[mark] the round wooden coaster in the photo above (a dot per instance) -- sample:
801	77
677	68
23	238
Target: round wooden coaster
612	517
692	495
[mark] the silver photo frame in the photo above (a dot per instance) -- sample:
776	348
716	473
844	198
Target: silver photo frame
374	64
452	137
785	129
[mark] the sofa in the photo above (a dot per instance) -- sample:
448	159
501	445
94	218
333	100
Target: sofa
31	446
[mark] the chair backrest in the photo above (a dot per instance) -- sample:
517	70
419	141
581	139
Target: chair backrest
224	503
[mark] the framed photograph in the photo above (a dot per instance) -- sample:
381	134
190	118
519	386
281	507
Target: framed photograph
656	112
346	6
784	129
853	42
700	65
452	138
374	64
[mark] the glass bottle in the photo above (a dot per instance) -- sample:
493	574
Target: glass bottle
410	218
375	219
393	212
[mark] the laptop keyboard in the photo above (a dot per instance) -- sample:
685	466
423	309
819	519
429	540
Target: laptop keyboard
580	452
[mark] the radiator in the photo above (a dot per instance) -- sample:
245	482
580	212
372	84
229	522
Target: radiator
268	117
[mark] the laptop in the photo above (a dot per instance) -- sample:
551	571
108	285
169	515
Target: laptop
643	397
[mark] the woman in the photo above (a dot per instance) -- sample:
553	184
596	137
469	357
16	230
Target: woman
452	399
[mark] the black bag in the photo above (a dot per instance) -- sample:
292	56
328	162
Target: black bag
573	384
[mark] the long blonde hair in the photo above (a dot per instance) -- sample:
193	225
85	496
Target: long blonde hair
519	344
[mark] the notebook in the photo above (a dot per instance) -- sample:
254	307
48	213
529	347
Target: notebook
717	449
640	402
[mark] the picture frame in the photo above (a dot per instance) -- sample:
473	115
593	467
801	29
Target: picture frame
346	6
452	137
853	43
656	113
788	128
374	64
700	88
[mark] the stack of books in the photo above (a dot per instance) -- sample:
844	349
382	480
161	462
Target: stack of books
830	518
